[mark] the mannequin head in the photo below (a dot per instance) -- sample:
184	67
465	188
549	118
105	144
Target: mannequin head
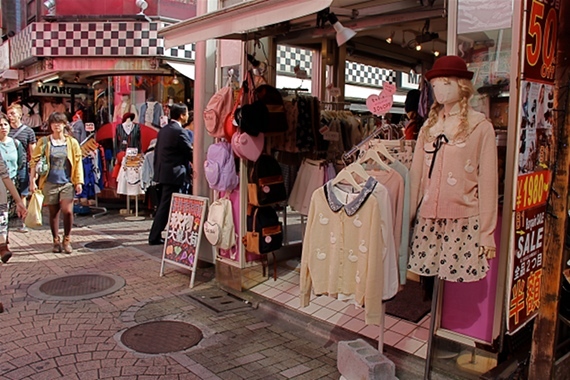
451	83
128	118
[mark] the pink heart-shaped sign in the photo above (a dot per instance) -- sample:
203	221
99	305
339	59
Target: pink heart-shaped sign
389	88
379	105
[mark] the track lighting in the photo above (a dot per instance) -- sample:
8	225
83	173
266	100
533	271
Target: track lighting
39	83
342	34
436	53
418	47
175	80
391	38
61	83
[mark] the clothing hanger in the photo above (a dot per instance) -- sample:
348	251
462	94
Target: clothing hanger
381	148
372	154
347	174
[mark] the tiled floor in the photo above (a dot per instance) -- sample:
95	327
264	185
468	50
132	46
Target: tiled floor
399	333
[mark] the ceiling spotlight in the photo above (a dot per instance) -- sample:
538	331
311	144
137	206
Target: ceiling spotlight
175	80
418	47
61	83
389	39
342	34
39	83
436	53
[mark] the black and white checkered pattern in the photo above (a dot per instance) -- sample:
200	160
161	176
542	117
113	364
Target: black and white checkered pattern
95	39
357	73
288	57
187	52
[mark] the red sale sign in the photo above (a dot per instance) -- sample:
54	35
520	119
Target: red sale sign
540	40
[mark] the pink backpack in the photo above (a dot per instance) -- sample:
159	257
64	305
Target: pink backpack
217	109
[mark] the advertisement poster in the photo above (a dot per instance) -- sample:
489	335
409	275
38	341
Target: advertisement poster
527	274
536	138
535	161
184	230
540	40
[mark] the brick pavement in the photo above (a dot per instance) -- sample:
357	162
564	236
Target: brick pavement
81	339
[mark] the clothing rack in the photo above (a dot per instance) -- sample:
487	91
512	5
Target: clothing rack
334	106
357	147
87	143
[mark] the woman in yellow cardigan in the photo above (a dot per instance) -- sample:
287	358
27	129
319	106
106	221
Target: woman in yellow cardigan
63	179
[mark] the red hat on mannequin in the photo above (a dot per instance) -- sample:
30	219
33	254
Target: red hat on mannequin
128	115
449	66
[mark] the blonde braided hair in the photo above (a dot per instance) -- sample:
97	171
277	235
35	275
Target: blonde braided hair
466	90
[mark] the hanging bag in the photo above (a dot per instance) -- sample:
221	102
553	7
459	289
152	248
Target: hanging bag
230	123
265	182
264	230
218	108
34	215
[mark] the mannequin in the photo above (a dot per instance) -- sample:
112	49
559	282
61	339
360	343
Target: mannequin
151	111
125	107
128	134
454	186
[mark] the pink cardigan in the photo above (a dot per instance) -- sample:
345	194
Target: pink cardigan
464	180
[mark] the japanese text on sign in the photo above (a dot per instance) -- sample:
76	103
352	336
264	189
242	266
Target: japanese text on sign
185	224
532	190
527	266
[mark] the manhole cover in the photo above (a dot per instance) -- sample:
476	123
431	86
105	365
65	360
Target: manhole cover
76	287
219	301
103	244
161	337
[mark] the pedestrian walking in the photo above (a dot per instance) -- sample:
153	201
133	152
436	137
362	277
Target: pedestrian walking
172	155
62	180
12	153
27	137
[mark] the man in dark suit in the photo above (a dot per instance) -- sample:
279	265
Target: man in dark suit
172	155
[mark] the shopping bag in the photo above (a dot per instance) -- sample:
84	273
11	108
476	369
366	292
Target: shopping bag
34	216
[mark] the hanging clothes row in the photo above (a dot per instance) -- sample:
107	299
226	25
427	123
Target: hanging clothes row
94	168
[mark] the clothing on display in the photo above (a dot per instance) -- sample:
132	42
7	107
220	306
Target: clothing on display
129	180
127	135
94	168
150	114
341	255
31	114
454	183
123	108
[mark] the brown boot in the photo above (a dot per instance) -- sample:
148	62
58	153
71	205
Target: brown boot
5	253
56	245
67	244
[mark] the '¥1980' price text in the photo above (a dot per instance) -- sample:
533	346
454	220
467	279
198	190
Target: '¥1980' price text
532	189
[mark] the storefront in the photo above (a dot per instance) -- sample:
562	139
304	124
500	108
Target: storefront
472	326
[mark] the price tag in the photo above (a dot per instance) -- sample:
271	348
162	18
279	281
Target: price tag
334	92
331	136
89	127
163	121
131	152
532	190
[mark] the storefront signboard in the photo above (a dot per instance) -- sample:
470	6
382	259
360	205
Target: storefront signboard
535	161
527	263
184	232
55	90
540	40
